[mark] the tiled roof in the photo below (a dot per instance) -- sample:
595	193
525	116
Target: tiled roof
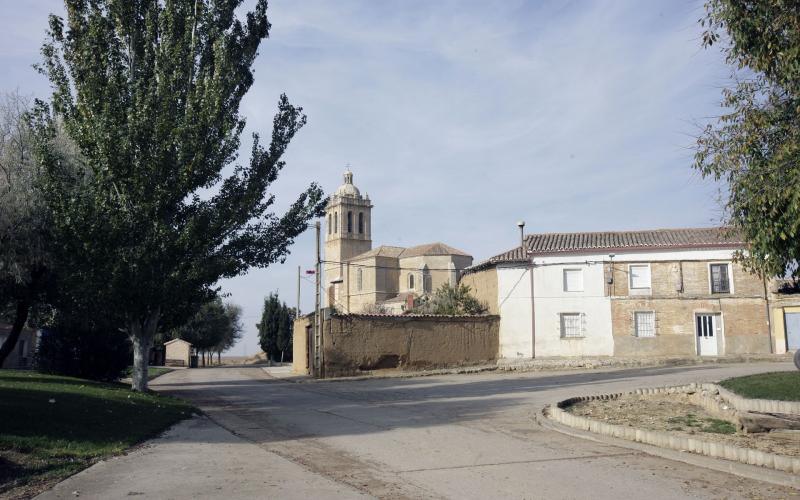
428	249
381	251
655	239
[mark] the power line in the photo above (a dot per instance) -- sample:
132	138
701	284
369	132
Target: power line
392	268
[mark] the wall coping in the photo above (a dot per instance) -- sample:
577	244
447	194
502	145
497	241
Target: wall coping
400	317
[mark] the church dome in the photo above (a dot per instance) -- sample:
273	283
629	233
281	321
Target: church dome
348	189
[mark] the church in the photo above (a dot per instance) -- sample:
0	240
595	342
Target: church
385	279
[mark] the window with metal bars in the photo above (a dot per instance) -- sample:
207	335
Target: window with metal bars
720	279
644	323
571	325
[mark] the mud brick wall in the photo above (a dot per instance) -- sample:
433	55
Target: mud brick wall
355	343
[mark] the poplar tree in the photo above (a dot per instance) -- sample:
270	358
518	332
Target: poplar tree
149	91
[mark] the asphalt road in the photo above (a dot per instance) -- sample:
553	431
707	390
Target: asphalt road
453	436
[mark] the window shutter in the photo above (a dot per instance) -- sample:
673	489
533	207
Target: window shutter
573	280
640	276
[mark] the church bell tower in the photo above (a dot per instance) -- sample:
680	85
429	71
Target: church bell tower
348	232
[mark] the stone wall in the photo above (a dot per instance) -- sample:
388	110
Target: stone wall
680	290
356	343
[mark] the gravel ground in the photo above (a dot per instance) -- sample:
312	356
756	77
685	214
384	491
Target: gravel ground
675	413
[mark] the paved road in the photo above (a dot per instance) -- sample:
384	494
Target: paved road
454	436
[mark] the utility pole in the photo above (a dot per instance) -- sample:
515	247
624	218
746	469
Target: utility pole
317	315
297	312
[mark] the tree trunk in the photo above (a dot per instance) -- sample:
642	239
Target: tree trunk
219	357
141	334
281	357
20	318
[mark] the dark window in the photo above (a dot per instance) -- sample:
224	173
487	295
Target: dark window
411	281
360	222
349	222
329	223
336	222
720	281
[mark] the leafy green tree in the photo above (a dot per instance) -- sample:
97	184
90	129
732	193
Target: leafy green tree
213	329
26	239
754	147
452	301
233	330
149	91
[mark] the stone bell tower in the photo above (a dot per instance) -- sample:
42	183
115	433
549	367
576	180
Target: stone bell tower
348	232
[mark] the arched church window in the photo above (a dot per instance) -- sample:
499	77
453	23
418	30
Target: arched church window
360	222
349	222
335	222
329	223
410	281
360	279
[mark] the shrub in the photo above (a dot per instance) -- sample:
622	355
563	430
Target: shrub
83	350
452	301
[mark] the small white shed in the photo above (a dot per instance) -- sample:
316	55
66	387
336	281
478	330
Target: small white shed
177	352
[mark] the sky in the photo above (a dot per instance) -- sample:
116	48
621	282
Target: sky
460	118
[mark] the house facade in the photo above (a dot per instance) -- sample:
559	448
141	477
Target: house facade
674	292
22	355
358	278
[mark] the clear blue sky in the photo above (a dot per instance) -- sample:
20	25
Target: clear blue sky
460	118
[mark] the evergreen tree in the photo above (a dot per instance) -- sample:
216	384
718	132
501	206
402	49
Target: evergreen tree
269	326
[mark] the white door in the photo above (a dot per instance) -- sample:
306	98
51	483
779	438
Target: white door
708	334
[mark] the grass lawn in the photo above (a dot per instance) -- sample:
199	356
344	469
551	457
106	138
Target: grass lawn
152	371
784	386
53	426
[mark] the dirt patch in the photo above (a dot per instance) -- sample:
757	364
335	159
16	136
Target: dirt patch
675	413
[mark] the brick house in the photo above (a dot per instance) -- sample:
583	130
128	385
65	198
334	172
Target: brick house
669	292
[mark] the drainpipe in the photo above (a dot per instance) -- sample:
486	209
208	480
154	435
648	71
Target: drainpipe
769	320
529	263
533	309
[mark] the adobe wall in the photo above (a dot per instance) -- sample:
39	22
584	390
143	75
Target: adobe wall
483	286
355	343
300	339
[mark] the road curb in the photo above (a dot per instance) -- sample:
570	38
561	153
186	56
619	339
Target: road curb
556	364
739	469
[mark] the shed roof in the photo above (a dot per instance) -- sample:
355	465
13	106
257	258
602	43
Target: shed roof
177	340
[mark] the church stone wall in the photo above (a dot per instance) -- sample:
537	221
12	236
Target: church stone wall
356	343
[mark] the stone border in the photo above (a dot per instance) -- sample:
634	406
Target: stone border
557	413
757	405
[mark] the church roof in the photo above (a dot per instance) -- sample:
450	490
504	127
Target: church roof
348	188
428	249
381	251
432	249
